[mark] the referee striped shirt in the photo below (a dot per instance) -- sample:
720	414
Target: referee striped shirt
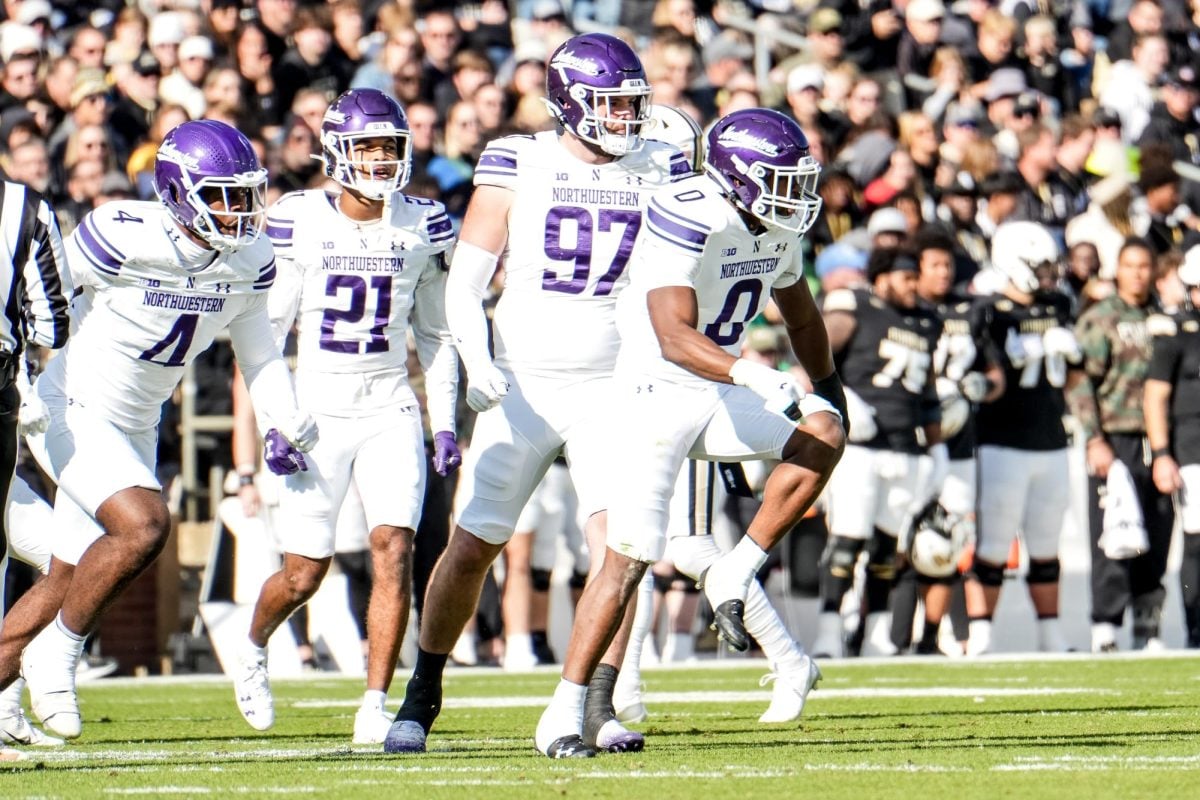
37	287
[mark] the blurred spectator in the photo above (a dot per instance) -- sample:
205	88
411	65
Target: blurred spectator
453	167
888	229
87	47
468	71
223	94
165	34
311	63
670	68
1039	199
841	266
993	50
839	212
1108	221
83	186
1130	87
20	81
402	48
183	85
347	24
254	64
489	102
276	18
1145	19
1168	221
224	18
918	42
825	42
948	74
958	213
1078	136
422	127
440	38
1173	118
724	57
29	163
296	165
128	38
115	186
1043	71
804	86
899	176
309	106
135	97
1000	192
59	83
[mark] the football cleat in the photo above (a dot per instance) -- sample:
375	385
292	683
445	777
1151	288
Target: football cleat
15	729
48	666
611	736
829	642
405	736
371	725
728	614
570	746
629	703
252	688
791	691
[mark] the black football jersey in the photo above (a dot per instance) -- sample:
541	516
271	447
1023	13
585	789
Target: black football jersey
1029	415
887	362
1176	360
962	348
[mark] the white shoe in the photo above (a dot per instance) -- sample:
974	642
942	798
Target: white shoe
1155	645
371	725
252	688
679	647
979	641
15	729
791	690
1050	637
519	659
1104	637
93	668
48	666
829	636
464	653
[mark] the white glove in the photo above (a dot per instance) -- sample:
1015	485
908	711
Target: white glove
486	387
779	389
974	386
33	417
1062	342
862	417
301	431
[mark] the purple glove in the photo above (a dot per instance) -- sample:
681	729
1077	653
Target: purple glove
281	457
446	456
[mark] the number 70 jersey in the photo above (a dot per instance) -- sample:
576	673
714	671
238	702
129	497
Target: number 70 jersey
571	232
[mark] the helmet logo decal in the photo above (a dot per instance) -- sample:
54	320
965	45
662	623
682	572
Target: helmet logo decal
568	60
334	117
732	137
168	151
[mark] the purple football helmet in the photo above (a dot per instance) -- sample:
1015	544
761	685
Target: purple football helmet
760	157
205	162
357	116
584	77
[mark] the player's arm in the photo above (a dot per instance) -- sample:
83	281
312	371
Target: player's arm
1156	408
245	446
48	283
482	239
435	346
267	376
283	298
1080	392
674	315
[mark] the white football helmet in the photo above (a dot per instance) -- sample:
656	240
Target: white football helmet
669	124
1020	249
955	408
938	539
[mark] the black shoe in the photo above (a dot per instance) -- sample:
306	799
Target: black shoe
541	649
569	747
730	623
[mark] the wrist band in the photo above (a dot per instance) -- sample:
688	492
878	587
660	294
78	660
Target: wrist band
246	480
1160	452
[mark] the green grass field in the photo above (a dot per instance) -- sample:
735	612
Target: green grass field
1066	728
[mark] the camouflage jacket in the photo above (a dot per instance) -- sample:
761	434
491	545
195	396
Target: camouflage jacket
1116	346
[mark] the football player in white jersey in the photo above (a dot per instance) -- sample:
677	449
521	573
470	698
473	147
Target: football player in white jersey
159	281
358	270
566	205
692	547
714	249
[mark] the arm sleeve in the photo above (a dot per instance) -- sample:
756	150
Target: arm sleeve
435	346
48	283
267	377
471	271
1164	359
1081	396
283	299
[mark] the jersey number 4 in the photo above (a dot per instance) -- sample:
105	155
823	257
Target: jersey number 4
356	285
581	254
180	335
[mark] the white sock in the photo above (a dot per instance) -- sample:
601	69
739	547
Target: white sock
679	646
747	556
10	698
979	636
519	643
373	698
643	615
567	703
1050	635
764	624
62	627
251	649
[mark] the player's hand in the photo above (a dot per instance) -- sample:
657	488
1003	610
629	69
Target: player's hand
1100	457
33	417
1166	475
301	431
280	456
780	390
974	386
862	414
446	455
1061	341
486	387
250	499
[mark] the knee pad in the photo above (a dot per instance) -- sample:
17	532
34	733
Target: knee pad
692	554
1043	571
578	580
986	573
843	554
541	579
662	583
881	555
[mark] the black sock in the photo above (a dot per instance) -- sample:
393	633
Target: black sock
599	700
929	637
423	696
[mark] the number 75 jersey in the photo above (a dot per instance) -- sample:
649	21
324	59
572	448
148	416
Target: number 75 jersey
571	232
354	288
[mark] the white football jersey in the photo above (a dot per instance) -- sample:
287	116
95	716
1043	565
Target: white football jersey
694	237
571	234
354	288
152	301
